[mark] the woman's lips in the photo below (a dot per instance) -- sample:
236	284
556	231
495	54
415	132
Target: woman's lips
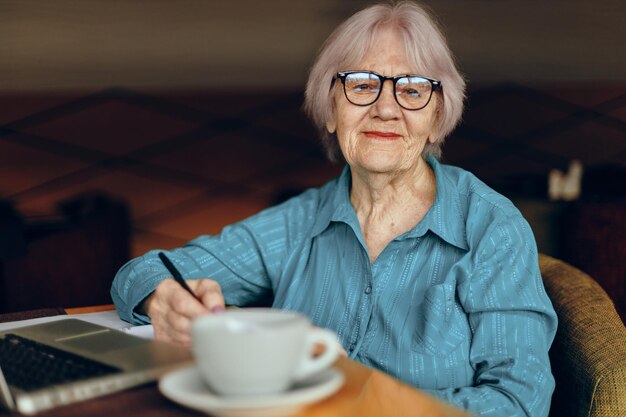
375	134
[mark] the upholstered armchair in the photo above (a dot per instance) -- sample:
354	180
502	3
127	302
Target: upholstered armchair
589	353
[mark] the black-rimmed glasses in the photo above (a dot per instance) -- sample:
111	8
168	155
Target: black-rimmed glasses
412	92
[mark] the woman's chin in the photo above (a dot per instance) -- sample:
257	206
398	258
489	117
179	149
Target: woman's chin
381	165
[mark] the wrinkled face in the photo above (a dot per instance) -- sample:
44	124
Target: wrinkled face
382	137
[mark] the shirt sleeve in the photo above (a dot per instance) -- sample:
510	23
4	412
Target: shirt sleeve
245	259
512	323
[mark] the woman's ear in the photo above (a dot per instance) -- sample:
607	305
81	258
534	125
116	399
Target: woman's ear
331	124
433	137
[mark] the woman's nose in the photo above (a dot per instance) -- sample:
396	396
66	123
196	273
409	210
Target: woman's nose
386	107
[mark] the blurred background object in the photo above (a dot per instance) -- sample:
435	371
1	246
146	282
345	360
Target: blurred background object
66	259
189	112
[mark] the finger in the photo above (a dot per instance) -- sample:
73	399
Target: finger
177	323
175	328
210	293
186	304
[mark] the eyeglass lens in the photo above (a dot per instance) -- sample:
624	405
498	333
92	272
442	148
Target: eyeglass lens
363	88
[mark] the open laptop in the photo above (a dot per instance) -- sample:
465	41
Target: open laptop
47	365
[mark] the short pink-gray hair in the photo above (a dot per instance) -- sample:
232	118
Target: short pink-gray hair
425	47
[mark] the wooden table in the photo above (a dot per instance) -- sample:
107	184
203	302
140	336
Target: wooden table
366	393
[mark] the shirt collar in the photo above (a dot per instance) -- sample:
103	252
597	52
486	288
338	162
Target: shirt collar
336	205
445	218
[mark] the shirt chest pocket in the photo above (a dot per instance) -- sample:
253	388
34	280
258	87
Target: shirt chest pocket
440	326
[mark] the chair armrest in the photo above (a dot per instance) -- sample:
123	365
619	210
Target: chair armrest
589	352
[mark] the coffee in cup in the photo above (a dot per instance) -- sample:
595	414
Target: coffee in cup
259	351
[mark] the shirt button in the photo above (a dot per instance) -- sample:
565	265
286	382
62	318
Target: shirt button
368	290
352	347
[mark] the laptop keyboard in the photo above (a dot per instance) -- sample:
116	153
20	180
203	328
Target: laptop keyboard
29	365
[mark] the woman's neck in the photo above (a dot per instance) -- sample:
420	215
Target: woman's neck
389	204
372	191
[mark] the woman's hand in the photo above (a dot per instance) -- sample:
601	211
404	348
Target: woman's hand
171	308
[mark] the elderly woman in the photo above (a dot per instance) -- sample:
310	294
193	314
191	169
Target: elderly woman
422	270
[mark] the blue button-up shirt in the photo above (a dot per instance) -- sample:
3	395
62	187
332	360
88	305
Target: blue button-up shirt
455	306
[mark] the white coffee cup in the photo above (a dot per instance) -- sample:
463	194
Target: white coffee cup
259	351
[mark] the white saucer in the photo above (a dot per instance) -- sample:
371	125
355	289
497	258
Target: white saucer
185	386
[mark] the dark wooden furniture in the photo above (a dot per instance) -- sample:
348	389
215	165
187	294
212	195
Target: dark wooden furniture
67	260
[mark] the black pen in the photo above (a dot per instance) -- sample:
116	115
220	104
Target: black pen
177	276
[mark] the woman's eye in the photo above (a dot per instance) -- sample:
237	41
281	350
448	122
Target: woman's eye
412	92
363	87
